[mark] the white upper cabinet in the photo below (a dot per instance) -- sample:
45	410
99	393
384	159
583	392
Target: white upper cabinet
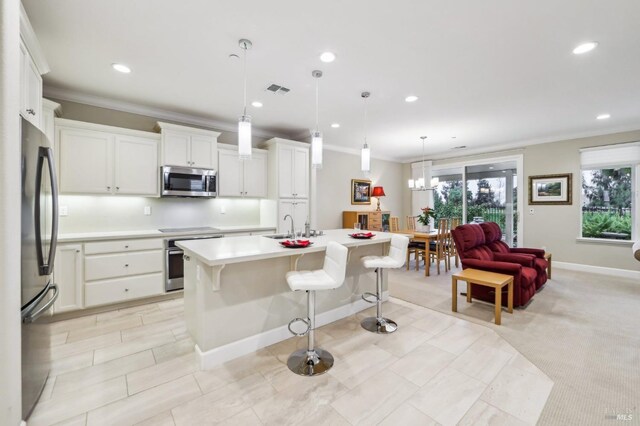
136	165
255	175
32	66
85	161
97	159
290	160
242	178
176	149
188	147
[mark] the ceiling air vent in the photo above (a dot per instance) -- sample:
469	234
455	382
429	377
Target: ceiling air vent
280	90
459	147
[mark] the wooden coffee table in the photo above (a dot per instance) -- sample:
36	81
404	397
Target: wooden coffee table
489	279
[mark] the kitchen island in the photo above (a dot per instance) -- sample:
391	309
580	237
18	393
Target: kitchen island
236	298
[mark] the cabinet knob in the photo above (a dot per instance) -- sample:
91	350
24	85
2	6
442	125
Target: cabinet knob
31	111
126	289
77	251
126	265
126	246
117	188
108	188
185	257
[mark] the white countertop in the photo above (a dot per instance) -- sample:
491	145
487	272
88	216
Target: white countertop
150	233
242	249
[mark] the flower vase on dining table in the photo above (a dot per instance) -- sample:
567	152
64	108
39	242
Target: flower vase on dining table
424	228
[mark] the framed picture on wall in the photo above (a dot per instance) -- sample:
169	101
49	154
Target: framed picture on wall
360	191
550	189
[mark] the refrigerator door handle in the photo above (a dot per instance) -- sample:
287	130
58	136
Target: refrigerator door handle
46	268
25	313
29	317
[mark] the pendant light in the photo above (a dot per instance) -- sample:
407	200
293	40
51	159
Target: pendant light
244	123
420	183
316	136
365	155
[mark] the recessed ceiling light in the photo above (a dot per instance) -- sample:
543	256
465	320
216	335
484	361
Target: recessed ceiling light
121	68
256	104
335	125
411	98
328	57
603	116
490	167
585	47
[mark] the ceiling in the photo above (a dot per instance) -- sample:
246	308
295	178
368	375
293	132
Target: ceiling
489	73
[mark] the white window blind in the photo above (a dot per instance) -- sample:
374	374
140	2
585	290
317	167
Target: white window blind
612	155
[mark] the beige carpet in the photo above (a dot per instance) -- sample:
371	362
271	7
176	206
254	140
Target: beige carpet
582	330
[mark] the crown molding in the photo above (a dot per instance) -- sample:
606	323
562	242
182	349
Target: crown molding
519	146
157	113
354	151
31	42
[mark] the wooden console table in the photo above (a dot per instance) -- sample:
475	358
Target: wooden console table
368	220
489	279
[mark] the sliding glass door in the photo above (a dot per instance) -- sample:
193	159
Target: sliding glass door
485	191
492	194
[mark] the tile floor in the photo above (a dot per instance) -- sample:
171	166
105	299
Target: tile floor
137	366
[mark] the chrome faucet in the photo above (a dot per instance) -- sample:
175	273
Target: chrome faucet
293	231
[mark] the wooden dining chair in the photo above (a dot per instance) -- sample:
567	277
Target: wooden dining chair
394	224
417	249
451	247
437	249
411	223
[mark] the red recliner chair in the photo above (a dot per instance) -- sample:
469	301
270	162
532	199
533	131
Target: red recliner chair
493	239
475	253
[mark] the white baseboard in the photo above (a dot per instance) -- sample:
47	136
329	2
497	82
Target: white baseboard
614	272
216	356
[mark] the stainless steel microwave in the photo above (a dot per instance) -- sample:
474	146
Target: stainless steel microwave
188	182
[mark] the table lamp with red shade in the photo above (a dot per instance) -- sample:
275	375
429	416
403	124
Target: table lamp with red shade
378	192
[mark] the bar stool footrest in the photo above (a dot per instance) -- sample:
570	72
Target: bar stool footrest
368	294
304	320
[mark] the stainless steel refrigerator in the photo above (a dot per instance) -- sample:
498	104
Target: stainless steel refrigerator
39	231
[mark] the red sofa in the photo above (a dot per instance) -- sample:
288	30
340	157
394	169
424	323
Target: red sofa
493	239
475	253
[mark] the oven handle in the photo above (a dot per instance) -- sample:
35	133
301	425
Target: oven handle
175	251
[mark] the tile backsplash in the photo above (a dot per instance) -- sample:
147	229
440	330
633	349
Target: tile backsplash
119	213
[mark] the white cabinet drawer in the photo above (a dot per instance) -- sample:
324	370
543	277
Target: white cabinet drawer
120	265
118	290
122	246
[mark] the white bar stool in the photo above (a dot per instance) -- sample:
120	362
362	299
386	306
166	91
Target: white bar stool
313	361
395	259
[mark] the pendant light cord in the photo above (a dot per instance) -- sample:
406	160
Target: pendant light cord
245	81
365	122
317	93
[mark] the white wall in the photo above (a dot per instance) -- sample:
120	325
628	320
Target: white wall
118	213
10	386
334	187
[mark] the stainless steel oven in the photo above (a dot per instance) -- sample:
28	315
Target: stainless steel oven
188	182
174	262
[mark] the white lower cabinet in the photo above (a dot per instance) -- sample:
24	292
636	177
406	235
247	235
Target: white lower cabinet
117	271
122	289
67	274
299	211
